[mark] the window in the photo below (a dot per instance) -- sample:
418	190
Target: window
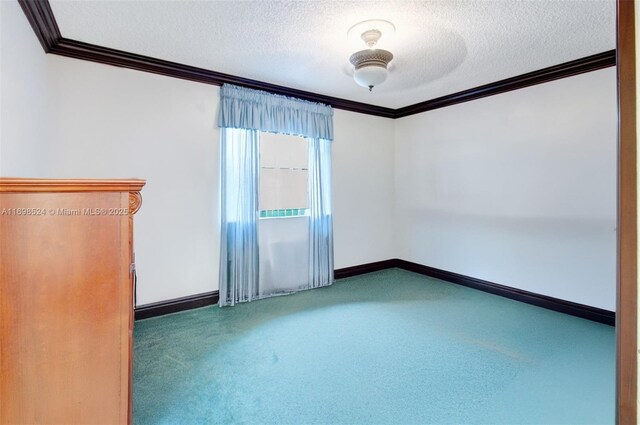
283	176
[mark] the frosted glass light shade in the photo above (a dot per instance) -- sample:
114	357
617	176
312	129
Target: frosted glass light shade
370	66
370	76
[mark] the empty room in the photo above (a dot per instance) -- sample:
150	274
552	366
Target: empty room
318	212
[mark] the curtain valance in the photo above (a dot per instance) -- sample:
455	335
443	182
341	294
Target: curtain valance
258	110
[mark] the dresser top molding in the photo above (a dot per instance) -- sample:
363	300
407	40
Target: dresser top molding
22	185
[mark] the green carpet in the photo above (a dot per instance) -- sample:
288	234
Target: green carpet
390	347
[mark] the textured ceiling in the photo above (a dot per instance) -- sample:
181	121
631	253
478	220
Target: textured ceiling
440	47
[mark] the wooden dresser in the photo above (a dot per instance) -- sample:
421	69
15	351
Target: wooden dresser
66	300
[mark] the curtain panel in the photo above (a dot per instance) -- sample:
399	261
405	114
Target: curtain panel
320	217
258	110
239	170
283	255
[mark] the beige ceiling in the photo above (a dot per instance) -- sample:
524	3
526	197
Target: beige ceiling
440	47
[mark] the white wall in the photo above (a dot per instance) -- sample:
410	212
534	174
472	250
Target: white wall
517	189
362	160
112	122
71	118
23	95
96	121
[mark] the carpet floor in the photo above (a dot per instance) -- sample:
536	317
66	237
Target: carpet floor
390	347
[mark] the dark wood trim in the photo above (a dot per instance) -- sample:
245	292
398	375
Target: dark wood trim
41	17
626	336
104	55
364	268
42	21
574	309
175	305
567	69
202	300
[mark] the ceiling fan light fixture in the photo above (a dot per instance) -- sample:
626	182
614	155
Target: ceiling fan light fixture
370	65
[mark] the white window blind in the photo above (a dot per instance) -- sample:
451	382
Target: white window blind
283	175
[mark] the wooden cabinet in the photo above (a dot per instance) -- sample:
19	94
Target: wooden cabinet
66	300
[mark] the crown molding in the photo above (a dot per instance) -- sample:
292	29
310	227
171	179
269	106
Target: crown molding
40	16
90	52
567	69
43	22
